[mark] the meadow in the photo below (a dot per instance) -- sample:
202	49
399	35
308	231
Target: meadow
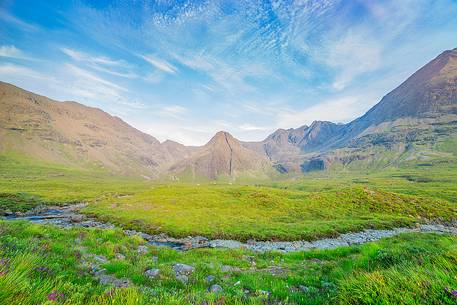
46	265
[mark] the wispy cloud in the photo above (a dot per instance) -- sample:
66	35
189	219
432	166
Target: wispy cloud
13	20
11	51
160	64
338	110
250	127
154	77
353	55
101	63
172	111
12	71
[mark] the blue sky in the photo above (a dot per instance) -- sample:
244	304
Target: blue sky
183	70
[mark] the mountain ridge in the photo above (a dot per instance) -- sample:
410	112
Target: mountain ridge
71	132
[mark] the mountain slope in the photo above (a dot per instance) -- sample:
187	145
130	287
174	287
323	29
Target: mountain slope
420	110
223	155
75	135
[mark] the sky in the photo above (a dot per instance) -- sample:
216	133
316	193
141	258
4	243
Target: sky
183	70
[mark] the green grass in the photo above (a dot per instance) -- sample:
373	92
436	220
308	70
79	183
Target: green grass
37	261
244	212
318	205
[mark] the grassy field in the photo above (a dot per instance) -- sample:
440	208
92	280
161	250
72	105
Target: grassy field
41	264
244	212
47	265
318	205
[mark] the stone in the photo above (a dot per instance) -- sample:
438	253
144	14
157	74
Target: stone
227	268
152	273
215	288
100	259
121	283
182	278
210	278
264	292
119	256
142	250
76	218
183	269
303	288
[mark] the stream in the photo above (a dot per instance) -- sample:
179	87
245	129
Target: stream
68	217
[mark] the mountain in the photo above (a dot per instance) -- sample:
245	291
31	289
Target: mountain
410	124
76	135
222	156
421	111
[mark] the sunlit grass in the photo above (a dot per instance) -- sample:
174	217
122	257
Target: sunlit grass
39	262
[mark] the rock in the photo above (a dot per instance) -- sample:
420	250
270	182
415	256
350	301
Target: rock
100	259
146	236
119	256
227	268
142	250
328	285
250	259
303	288
121	283
264	292
155	259
182	278
76	218
210	278
215	288
8	213
111	280
152	273
105	280
183	269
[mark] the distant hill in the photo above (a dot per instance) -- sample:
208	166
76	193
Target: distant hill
76	135
223	155
410	124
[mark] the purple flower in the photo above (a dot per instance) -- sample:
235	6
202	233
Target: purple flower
453	292
55	295
52	296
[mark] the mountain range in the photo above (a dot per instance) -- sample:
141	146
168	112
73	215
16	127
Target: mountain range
408	125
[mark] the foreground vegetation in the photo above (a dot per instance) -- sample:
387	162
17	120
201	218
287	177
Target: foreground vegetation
45	265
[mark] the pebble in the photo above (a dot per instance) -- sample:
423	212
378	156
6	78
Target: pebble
142	250
182	278
227	268
152	273
210	278
183	269
215	288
